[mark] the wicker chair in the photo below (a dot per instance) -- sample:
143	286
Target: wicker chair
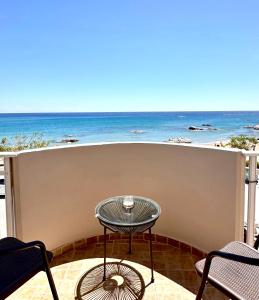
234	270
19	262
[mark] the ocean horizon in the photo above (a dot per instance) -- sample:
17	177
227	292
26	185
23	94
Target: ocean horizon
154	126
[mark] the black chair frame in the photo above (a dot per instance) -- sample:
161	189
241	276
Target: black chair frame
44	267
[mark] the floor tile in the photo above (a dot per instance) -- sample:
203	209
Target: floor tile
175	275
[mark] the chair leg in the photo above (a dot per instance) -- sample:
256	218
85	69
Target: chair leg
204	277
201	290
51	283
48	272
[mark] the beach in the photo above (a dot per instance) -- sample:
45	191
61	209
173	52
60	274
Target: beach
219	144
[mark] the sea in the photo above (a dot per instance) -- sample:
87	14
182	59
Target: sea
129	126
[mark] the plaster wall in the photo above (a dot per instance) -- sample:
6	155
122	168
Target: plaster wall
199	190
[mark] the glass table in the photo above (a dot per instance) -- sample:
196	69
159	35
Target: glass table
128	214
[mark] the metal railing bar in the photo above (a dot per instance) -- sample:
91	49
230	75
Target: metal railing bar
250	153
251	199
9	201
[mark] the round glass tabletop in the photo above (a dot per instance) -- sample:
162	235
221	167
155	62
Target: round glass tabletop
127	210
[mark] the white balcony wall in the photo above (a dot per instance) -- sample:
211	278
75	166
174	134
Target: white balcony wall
200	190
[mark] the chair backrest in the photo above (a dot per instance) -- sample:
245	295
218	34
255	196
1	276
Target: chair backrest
19	262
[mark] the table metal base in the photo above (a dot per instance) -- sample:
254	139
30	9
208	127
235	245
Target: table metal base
130	252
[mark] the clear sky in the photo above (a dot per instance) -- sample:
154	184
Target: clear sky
129	55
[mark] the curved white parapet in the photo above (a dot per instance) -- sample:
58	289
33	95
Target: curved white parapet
200	190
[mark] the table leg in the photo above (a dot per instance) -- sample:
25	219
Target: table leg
104	261
151	255
130	243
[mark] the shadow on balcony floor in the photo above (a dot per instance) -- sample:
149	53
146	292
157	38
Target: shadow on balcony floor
175	276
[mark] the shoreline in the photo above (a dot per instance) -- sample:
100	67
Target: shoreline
217	144
213	144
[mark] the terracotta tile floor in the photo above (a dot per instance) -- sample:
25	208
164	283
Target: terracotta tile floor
175	276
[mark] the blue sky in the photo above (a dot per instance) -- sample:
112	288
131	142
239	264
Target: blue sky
132	55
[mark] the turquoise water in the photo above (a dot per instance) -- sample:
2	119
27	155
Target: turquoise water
111	127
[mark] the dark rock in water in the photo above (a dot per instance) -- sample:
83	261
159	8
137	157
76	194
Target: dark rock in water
69	141
195	128
205	127
255	127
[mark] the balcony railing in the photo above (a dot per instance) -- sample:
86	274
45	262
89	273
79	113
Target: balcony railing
251	196
6	195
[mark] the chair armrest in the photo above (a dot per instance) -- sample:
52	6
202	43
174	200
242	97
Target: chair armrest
234	257
23	247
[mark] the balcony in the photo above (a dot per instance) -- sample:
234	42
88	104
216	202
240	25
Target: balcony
53	193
